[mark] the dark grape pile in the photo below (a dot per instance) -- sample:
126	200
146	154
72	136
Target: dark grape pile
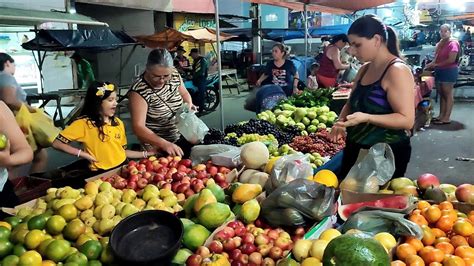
262	127
253	126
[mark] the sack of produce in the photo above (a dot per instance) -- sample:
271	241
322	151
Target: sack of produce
295	203
288	168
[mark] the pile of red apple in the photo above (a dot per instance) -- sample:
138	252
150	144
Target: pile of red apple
169	172
246	245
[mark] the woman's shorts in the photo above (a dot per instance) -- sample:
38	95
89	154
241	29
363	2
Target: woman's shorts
446	75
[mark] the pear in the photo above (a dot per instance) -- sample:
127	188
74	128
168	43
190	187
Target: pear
152	188
105	186
84	203
86	215
301	249
101	199
170	201
91	188
139	203
105	226
89	222
149	194
129	195
128	209
107	212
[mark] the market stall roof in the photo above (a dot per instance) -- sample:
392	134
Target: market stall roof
17	17
170	38
93	40
289	34
326	6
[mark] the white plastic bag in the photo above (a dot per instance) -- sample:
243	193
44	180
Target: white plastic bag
190	126
287	169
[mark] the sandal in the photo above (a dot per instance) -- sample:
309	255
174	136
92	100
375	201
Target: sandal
435	119
439	122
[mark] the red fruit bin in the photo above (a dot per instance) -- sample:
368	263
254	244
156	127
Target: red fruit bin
28	187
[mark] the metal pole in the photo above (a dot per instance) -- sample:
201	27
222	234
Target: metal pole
219	66
305	40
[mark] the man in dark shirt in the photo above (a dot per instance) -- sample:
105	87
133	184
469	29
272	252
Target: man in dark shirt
181	63
200	66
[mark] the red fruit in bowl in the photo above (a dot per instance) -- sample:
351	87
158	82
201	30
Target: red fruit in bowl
133	178
175	185
248	238
216	247
235	224
427	180
268	262
256	258
132	163
149	166
219	178
465	193
221	236
224	170
182	188
192	173
158	177
234	254
203	251
132	185
248	248
300	231
275	253
283	243
244	258
237	263
186	162
237	240
229	245
178	176
182	169
194	260
202	174
273	234
228	231
166	186
262	239
189	192
142	182
212	170
264	249
156	167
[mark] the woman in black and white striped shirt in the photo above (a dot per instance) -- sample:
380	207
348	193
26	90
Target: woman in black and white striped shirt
154	100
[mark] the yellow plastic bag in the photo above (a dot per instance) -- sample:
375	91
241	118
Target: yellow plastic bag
43	128
23	118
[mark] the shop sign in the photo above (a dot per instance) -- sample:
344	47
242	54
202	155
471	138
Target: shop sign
196	23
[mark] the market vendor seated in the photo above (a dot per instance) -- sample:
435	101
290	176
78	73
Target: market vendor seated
101	134
181	63
154	99
14	150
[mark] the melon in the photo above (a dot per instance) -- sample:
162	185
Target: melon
254	155
354	250
395	202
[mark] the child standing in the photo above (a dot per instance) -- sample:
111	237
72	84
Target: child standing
101	134
312	80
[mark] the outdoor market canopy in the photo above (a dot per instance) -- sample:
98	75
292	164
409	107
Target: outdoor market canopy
171	38
326	6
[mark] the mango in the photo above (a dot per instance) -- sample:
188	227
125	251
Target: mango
246	192
205	197
250	211
213	215
194	236
217	191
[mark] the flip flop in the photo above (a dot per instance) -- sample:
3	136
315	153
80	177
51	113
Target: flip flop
435	119
438	122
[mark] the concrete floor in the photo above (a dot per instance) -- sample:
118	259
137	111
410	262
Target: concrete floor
434	149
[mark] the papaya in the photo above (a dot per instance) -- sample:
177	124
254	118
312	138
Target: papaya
186	222
249	211
205	197
217	191
354	250
189	205
246	192
213	215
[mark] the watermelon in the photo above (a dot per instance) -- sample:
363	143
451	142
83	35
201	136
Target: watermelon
354	250
395	202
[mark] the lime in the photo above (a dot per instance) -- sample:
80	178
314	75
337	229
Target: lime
37	222
94	263
4	233
6	225
19	249
57	250
91	249
55	224
10	260
78	258
6	247
33	239
74	229
30	258
44	244
13	221
3	141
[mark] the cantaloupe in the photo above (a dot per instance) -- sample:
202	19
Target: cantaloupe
254	155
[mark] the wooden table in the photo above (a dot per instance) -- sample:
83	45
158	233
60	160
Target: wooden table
231	73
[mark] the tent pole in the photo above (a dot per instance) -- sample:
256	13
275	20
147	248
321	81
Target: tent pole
305	39
219	66
40	62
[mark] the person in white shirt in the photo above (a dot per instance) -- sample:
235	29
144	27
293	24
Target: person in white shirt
312	80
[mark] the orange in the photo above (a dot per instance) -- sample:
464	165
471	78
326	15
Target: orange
441	239
464	252
451	260
418	219
432	214
435	264
415	243
415	211
428	236
397	263
457	241
434	255
445	223
451	213
414	260
446	205
470	240
326	177
469	261
446	247
422	204
463	227
438	232
404	250
31	257
425	250
470	216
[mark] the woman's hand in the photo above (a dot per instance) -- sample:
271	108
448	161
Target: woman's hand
430	65
337	132
5	156
88	157
296	91
355	119
192	107
172	149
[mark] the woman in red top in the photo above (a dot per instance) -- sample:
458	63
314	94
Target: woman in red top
330	63
446	73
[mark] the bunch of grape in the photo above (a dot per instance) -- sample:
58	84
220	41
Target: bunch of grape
216	136
318	142
261	127
269	140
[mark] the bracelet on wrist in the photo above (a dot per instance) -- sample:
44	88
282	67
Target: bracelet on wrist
79	153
